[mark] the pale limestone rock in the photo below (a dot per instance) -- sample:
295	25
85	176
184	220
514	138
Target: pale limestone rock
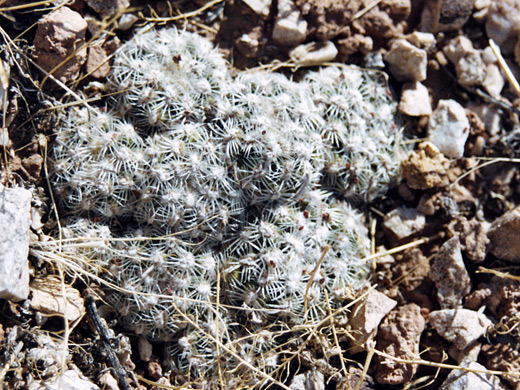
494	81
126	21
472	235
449	274
503	23
415	100
459	326
108	381
50	296
97	65
261	7
406	61
366	316
15	219
488	56
5	141
504	235
448	128
313	53
145	349
464	380
404	222
70	380
468	62
468	354
422	40
290	29
310	380
248	45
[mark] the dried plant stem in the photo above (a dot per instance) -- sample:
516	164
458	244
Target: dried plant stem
505	68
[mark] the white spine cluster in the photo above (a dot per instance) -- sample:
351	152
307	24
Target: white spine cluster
245	179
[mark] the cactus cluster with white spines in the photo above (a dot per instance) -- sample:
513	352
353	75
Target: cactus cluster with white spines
198	185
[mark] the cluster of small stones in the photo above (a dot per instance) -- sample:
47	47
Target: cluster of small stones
196	187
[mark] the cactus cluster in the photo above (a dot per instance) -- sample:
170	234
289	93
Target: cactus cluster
228	198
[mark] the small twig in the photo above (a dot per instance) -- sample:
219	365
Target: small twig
505	68
448	366
490	161
360	13
398	249
24	6
182	16
121	374
507	275
371	345
335	335
311	279
486	97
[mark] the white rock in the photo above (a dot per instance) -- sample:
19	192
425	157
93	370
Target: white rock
468	62
481	4
4	85
290	29
108	381
261	7
406	61
70	380
448	128
415	100
126	21
464	380
459	326
145	349
5	141
312	53
468	354
449	274
15	219
488	56
49	296
494	81
367	315
422	40
247	45
481	9
311	380
404	221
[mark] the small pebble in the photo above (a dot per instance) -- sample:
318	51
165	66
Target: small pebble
406	61
404	222
466	380
290	29
503	234
312	53
449	274
459	326
448	128
415	100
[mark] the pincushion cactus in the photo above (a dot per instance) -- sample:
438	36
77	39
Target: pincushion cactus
196	185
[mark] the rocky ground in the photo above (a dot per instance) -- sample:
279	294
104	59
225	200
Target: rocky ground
444	309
